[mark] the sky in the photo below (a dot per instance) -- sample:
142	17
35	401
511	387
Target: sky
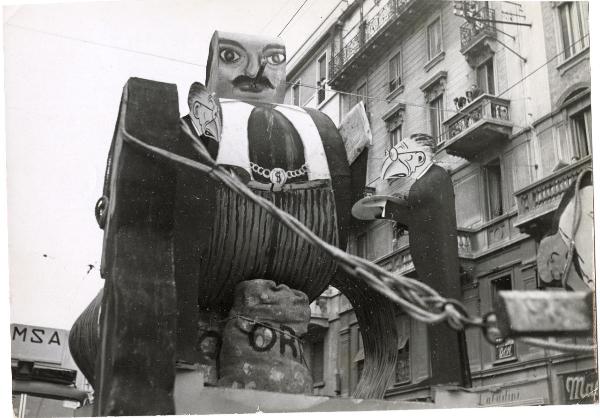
65	68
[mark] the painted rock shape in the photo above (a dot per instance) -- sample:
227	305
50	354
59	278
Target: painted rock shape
261	346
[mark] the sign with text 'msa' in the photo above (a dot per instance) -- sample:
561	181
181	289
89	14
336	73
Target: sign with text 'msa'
35	343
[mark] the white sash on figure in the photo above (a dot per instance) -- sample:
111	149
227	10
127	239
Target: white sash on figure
233	145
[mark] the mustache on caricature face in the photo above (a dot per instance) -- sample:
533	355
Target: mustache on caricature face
254	85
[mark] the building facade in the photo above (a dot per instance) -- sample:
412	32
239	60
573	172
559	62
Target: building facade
504	88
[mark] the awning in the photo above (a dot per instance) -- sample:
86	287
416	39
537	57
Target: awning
49	390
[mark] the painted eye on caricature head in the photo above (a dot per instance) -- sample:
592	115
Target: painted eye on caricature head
276	58
229	56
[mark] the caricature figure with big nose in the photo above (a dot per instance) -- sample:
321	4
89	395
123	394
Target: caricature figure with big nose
178	244
426	208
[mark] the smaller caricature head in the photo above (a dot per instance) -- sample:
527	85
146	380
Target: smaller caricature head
205	111
246	67
409	158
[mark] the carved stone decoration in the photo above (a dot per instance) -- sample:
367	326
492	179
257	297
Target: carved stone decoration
481	51
435	86
395	117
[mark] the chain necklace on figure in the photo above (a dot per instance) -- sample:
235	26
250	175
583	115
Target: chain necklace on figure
278	176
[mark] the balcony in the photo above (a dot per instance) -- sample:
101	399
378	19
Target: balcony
537	202
489	236
483	123
372	38
400	261
476	34
472	243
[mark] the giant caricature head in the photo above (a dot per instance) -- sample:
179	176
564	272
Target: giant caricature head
409	158
246	67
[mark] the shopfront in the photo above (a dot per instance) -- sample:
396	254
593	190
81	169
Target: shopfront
45	380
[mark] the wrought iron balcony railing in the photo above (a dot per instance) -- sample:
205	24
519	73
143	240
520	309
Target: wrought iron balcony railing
481	25
366	30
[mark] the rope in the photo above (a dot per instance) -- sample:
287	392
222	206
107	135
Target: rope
418	300
565	347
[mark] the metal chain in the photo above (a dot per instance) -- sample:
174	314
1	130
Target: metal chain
265	172
418	300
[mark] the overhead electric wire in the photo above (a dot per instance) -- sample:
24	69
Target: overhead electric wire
458	112
544	64
292	18
416	298
316	29
364	97
275	15
383	99
118	48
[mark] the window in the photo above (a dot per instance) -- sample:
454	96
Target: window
493	183
361	245
402	371
395	136
321	78
573	18
360	365
505	350
581	128
434	38
403	366
499	285
399	236
317	361
485	77
343	363
395	72
436	117
296	93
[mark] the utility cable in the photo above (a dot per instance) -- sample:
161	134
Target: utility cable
292	18
275	15
103	45
416	298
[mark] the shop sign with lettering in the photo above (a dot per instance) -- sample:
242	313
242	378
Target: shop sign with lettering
580	387
504	396
506	350
37	343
